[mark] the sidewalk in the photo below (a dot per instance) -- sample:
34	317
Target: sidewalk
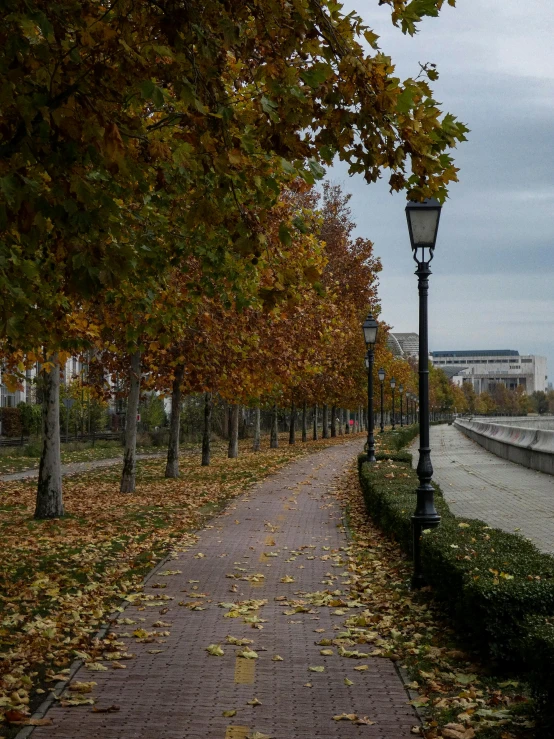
478	484
75	468
285	530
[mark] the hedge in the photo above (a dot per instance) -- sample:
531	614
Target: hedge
538	650
493	582
11	422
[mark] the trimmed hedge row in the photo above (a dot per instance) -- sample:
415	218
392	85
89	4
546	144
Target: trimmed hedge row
497	585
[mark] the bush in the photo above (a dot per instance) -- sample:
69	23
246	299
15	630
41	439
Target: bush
11	422
33	449
31	418
489	579
539	656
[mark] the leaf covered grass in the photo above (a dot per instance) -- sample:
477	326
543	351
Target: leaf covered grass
27	457
60	579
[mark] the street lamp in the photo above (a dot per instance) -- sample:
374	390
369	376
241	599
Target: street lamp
392	386
370	328
381	375
423	223
401	390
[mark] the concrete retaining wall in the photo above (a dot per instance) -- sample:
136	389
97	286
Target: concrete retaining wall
533	448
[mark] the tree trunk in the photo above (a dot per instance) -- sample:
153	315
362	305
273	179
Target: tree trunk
292	429
128	476
256	442
274	441
340	421
325	421
304	421
346	421
172	466
234	433
225	421
333	421
207	432
49	503
315	422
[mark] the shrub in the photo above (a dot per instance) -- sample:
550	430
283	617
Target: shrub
491	580
11	422
539	656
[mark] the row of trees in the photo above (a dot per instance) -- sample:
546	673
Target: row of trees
155	212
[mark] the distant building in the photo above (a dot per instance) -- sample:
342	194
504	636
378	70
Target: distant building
404	345
74	368
485	368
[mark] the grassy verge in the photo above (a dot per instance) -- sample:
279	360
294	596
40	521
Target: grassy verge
27	457
59	579
496	585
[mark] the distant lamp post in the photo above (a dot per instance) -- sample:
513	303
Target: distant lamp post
423	223
392	386
381	375
400	391
370	328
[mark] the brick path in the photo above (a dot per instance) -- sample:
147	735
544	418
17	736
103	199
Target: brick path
181	692
478	484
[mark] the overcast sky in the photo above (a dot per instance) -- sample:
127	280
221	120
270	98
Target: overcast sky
492	284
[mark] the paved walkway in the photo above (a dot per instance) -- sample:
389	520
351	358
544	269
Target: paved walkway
74	468
286	527
478	484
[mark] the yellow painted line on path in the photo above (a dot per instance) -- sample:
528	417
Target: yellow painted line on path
245	671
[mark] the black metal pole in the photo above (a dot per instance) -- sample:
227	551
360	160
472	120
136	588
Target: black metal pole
425	515
370	424
393	426
382	416
401	419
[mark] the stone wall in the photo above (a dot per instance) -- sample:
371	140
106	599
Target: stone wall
531	447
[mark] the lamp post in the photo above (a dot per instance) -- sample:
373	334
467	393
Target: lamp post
370	328
400	391
423	223
392	386
381	375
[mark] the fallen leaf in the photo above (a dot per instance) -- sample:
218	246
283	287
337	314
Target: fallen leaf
316	669
229	714
78	687
215	650
109	709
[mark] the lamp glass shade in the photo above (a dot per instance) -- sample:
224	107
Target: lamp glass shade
381	374
401	389
370	327
423	223
392	383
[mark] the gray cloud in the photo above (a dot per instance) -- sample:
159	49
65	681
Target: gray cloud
492	282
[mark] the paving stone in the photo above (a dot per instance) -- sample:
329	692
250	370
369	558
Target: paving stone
478	484
182	692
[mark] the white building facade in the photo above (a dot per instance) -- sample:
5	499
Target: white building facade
486	368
